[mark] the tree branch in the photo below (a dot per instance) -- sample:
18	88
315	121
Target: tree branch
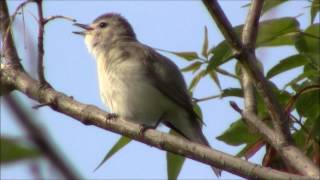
250	29
224	25
89	114
249	36
41	24
9	53
39	138
247	58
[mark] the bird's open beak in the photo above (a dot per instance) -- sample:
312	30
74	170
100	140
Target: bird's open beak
83	26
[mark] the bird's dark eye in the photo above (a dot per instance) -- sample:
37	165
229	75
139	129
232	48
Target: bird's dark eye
103	25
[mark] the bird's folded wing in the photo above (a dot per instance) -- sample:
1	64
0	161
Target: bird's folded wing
169	80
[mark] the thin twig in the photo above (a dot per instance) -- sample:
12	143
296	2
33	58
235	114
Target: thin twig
20	6
51	18
39	138
206	98
41	23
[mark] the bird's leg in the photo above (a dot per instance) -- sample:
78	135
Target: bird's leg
145	127
111	117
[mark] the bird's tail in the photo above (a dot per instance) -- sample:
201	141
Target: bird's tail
202	140
192	131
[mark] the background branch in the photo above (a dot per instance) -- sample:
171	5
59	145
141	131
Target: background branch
39	138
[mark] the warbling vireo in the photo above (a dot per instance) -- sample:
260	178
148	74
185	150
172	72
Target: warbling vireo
136	82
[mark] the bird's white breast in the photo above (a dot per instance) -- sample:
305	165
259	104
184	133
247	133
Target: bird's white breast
127	92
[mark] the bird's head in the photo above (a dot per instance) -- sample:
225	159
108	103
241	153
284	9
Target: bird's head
105	30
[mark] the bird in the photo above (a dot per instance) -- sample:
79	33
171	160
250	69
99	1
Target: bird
137	83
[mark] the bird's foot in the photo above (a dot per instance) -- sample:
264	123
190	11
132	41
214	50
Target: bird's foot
144	128
111	117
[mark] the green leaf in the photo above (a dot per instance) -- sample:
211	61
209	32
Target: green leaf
237	134
196	79
299	78
314	77
189	56
123	141
12	150
236	92
275	32
215	78
308	104
310	127
268	5
288	64
309	41
205	43
221	54
197	109
174	163
192	67
315	8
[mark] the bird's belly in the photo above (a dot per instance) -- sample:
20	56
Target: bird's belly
133	98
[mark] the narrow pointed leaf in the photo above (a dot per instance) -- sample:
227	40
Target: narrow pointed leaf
198	110
12	150
189	56
192	67
205	43
215	79
174	163
315	8
221	54
196	79
123	141
288	64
